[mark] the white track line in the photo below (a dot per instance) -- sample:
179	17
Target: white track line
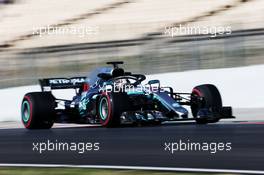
135	168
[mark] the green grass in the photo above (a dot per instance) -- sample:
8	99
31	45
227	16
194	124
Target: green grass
81	171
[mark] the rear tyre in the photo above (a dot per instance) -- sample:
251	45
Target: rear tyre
110	107
38	110
210	98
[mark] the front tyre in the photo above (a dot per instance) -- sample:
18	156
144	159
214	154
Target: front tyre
205	96
110	108
38	110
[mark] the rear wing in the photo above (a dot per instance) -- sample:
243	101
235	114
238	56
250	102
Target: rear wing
61	83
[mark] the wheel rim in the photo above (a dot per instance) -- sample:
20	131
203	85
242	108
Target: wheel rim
104	108
25	111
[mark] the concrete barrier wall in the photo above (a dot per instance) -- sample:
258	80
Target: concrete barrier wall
239	88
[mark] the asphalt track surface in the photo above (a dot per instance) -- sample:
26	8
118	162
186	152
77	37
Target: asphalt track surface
141	146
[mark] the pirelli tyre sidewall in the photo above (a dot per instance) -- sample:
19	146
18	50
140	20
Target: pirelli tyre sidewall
38	110
211	98
110	108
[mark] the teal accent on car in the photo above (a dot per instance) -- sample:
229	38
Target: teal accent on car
134	93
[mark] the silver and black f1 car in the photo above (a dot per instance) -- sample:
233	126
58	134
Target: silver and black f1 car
111	96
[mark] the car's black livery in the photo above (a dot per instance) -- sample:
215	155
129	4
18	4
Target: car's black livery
110	96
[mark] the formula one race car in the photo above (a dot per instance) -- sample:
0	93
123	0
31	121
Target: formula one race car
111	96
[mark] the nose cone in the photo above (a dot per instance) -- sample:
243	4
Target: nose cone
182	112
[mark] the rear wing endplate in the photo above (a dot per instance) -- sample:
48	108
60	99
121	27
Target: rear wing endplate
61	83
